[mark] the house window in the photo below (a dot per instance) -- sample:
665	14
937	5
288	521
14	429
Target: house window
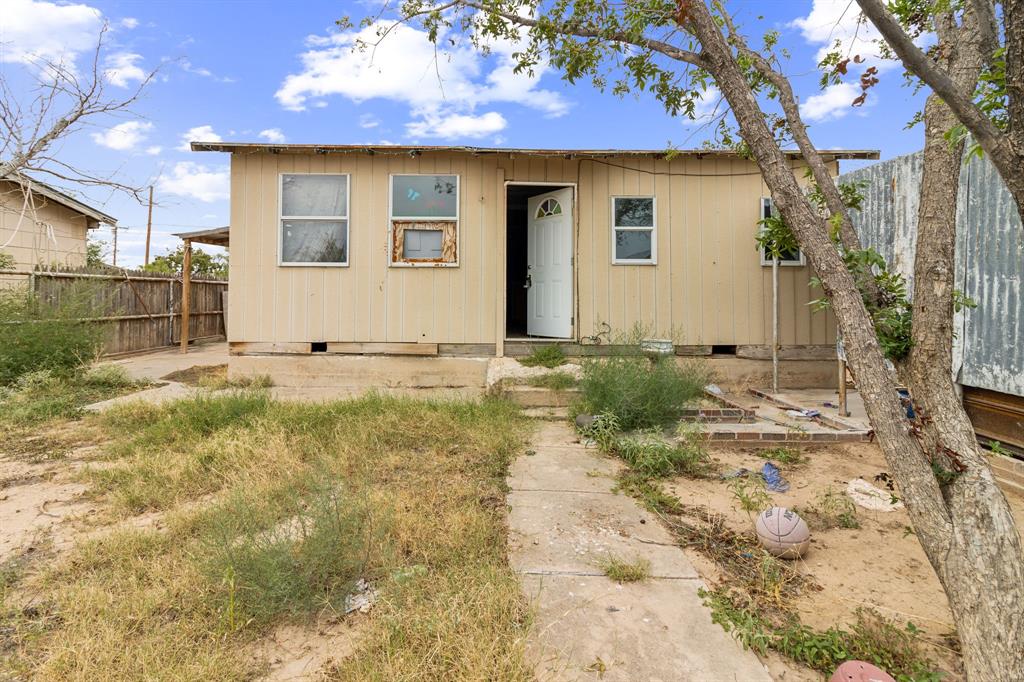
633	231
549	207
424	220
790	258
314	220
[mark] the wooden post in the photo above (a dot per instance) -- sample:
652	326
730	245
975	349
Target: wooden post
114	229
186	292
149	224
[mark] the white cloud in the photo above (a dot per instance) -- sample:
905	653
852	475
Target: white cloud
707	106
124	137
154	150
368	121
121	69
833	102
189	179
454	126
840	20
273	135
129	22
30	31
188	67
197	134
438	86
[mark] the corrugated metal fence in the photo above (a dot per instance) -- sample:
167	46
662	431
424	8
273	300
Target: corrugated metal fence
989	348
142	308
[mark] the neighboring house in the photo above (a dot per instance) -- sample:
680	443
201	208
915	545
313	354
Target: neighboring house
988	353
357	253
41	226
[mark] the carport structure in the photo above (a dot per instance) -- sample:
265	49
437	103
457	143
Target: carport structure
216	236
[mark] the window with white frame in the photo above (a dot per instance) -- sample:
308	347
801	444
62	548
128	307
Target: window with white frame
314	219
633	230
790	258
424	219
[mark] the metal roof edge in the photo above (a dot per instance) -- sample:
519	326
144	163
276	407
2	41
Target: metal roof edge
415	150
63	199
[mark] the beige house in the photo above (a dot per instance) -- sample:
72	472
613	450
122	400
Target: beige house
347	260
41	226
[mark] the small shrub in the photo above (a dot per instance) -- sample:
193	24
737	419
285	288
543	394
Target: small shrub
651	456
783	455
871	638
641	394
750	492
622	571
38	335
831	509
545	356
7	261
41	395
556	381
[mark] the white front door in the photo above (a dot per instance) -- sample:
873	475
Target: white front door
549	264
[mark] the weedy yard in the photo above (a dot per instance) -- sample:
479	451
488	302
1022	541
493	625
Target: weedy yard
213	527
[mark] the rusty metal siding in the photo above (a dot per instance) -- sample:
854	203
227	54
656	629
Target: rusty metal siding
988	352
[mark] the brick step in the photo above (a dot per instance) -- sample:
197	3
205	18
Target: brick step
551	414
777	436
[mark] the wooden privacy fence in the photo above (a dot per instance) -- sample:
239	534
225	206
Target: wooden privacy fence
142	308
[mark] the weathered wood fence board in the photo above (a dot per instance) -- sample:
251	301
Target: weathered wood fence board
142	308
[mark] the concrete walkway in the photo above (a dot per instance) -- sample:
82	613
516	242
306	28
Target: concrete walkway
158	364
564	520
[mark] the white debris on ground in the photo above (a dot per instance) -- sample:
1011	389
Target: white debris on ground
362	597
871	497
505	369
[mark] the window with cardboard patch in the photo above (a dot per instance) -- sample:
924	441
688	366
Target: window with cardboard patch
314	219
424	220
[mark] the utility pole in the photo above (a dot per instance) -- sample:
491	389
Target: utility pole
149	223
114	228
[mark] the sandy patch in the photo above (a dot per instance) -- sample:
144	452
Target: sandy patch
511	370
880	565
302	652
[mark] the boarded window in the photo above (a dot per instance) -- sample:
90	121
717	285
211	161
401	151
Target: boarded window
314	219
633	230
424	219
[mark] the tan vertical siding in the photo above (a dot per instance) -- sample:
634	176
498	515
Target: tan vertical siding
708	286
30	243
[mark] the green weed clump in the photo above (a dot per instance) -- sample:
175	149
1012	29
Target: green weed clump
623	571
556	381
36	334
750	493
640	393
871	638
783	455
651	456
545	356
41	395
831	509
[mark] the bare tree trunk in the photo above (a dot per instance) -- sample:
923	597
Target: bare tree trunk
966	530
988	606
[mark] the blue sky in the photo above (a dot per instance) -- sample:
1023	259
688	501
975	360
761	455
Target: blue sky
282	72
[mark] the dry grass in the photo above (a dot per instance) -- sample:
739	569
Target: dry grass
296	502
622	571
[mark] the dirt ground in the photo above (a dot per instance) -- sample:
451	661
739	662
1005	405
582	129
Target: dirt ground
45	511
879	565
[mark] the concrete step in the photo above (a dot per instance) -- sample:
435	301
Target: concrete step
553	414
533	396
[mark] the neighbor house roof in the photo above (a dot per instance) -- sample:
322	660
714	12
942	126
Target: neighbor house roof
58	197
263	147
216	236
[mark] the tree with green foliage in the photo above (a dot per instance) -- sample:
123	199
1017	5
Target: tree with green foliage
674	52
213	265
95	253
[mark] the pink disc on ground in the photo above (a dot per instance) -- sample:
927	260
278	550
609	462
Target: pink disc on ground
859	671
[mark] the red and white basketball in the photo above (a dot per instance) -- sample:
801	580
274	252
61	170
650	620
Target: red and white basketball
782	532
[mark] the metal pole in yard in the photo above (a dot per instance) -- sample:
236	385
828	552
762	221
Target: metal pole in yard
186	293
775	325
